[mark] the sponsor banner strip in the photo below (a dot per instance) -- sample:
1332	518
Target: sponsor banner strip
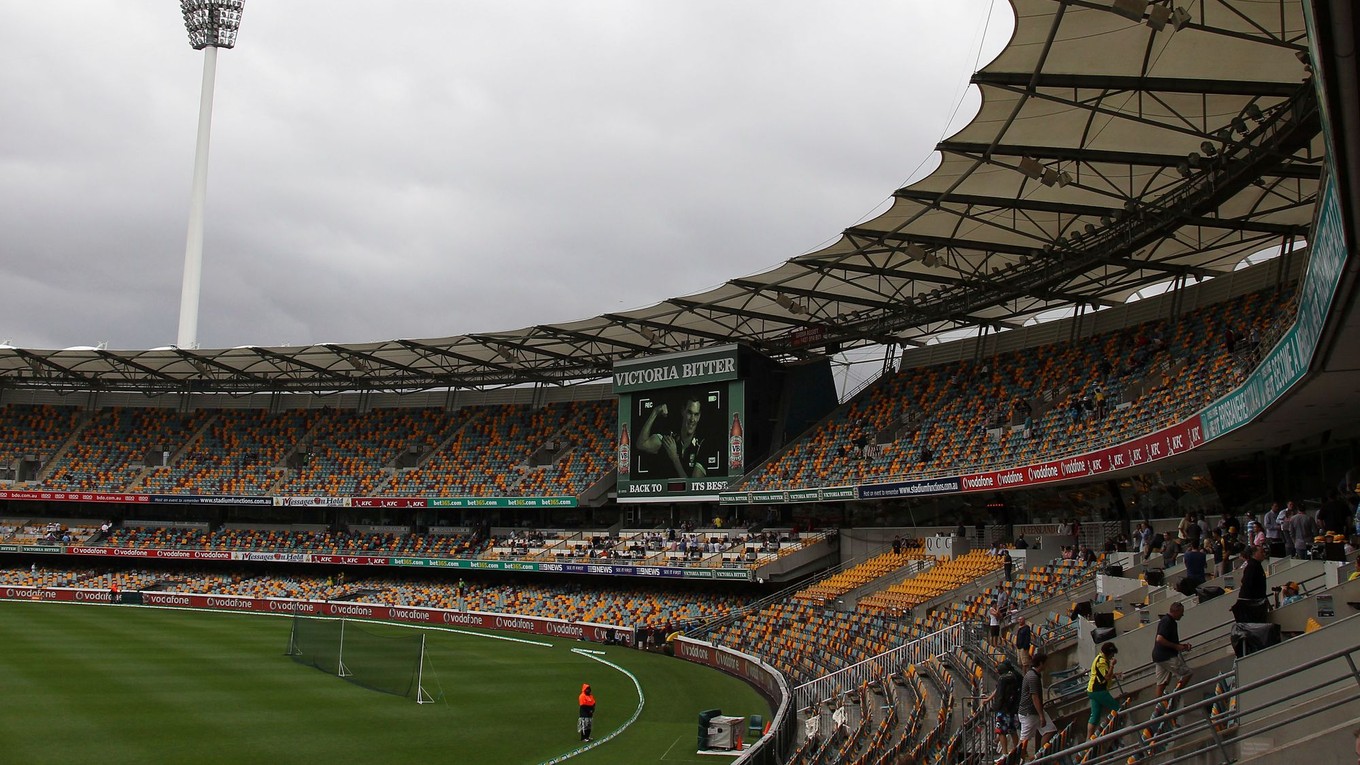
74	496
502	502
590	631
606	569
1178	438
733	663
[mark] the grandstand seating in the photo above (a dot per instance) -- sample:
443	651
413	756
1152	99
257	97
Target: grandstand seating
35	432
1023	407
507	450
108	453
241	452
1147	377
282	540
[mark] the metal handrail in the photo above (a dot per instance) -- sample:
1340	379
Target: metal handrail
1141	671
917	651
1122	751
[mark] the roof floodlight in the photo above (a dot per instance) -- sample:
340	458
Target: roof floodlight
1049	177
1240	125
1158	15
1184	169
1107	219
784	301
1064	178
1208	148
1031	167
1254	112
1179	18
1130	9
915	252
930	260
1090	229
212	22
1193	159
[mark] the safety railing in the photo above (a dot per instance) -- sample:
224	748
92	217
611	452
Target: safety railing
880	666
1207	642
1189	725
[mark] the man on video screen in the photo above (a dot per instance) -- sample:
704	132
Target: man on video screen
679	453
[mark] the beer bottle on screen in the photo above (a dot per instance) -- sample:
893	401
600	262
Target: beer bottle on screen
735	445
624	454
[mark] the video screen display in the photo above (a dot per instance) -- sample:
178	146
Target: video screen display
679	433
680	442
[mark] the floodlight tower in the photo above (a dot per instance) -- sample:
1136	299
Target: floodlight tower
211	24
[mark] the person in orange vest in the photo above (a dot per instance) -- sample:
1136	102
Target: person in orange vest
587	702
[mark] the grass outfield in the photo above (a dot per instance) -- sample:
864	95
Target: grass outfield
124	684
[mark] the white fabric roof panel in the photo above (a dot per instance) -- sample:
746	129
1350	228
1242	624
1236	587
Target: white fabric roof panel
1101	108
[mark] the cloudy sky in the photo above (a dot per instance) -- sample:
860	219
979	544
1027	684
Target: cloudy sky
424	169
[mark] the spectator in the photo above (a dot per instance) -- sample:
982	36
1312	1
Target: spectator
1301	532
1355	573
1168	650
1098	687
1195	565
1024	641
1272	523
1034	724
1251	605
1290	593
1170	549
1005	700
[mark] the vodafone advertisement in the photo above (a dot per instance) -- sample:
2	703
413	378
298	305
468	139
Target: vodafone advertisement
268	557
731	662
532	625
1178	438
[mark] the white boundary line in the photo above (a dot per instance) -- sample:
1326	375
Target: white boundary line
642	701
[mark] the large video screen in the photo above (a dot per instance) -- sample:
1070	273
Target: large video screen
679	441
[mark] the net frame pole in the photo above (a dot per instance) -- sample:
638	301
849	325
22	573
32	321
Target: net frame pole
421	696
340	668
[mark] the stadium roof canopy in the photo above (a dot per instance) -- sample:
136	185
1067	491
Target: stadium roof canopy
1118	144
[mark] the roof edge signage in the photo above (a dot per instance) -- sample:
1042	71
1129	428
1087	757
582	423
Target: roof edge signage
686	368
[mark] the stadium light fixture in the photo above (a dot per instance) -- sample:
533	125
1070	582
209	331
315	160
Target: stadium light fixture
1030	167
211	24
1132	10
915	252
1253	112
1208	148
1160	15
